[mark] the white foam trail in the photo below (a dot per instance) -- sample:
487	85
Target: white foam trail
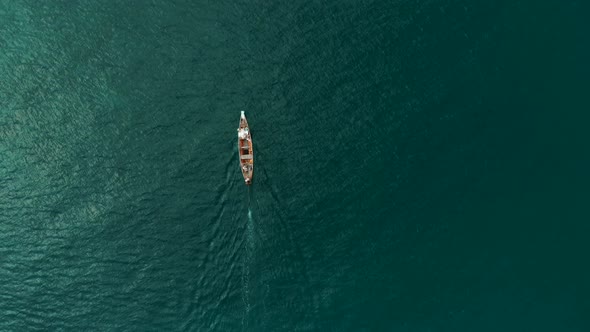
247	262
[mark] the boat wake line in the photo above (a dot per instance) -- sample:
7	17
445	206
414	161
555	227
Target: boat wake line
248	258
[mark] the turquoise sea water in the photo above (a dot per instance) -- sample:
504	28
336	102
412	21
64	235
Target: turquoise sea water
420	166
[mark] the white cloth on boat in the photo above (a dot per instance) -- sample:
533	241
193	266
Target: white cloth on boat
243	133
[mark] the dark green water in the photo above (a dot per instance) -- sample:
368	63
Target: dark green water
420	166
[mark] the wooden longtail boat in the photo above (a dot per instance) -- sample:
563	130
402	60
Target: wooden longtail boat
245	150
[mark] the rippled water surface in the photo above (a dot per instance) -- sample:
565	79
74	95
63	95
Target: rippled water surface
419	166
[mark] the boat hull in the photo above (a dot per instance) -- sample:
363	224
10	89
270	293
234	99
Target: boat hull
245	149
